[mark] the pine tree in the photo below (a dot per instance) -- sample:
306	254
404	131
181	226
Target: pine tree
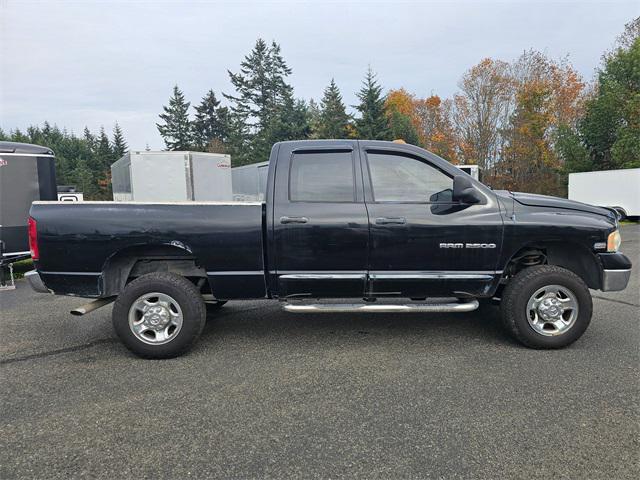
119	144
372	123
89	139
261	103
313	110
401	128
333	121
83	178
103	151
251	84
211	122
100	165
177	131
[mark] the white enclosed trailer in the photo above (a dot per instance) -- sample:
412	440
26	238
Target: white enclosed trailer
171	177
250	182
619	189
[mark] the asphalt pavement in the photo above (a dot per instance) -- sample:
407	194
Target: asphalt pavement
269	394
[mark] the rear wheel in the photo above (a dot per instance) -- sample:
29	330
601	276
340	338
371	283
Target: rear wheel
546	306
159	315
622	214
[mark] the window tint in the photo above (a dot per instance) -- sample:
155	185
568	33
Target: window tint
396	178
321	177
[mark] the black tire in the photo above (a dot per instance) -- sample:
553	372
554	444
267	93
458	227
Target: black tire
185	294
524	285
622	214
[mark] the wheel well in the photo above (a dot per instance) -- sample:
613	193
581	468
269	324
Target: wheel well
573	257
132	262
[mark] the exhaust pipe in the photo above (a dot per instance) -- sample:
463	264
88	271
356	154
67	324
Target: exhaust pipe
91	306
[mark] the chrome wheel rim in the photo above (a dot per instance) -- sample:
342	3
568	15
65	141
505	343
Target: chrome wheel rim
155	318
552	310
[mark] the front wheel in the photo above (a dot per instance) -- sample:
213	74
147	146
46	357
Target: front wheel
159	315
546	306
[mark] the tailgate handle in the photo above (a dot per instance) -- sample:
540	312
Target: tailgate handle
294	219
391	221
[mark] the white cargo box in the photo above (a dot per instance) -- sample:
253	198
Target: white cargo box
250	182
619	189
171	177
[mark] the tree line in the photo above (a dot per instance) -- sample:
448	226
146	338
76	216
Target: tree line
526	123
83	161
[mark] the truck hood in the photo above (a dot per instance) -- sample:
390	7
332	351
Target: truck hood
534	200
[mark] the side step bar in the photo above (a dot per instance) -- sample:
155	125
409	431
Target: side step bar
467	306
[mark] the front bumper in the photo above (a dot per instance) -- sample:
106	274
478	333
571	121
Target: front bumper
616	271
33	277
615	280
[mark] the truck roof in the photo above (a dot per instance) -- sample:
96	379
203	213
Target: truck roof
24	148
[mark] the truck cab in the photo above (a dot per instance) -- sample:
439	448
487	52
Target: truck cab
368	219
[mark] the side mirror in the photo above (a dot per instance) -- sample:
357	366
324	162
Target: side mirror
464	191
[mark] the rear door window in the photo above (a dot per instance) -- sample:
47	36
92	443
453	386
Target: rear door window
321	177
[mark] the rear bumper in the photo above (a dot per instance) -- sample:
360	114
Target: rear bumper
616	271
33	277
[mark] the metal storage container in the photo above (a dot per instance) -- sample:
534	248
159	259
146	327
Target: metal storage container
27	173
171	177
250	182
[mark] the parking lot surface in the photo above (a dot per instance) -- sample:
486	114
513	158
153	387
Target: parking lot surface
269	394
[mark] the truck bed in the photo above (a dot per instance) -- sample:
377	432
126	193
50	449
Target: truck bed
78	241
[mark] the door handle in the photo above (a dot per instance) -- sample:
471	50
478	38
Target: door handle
391	221
294	219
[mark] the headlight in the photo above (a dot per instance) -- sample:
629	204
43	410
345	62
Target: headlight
614	241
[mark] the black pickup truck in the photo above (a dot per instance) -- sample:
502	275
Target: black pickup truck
385	227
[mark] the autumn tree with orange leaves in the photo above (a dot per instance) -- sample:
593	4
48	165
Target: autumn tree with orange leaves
436	129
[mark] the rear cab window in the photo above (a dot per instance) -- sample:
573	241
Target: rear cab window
322	177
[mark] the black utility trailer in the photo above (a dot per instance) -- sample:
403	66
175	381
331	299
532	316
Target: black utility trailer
27	173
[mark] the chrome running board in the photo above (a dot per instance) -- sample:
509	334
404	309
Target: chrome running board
461	307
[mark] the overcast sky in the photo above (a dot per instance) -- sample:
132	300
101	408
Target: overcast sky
78	63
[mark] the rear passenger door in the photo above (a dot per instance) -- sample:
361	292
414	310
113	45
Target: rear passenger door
320	222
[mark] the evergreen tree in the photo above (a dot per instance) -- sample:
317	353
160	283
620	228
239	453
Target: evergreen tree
291	122
261	103
177	131
372	123
3	136
103	149
119	145
211	122
313	111
333	121
402	128
90	140
101	170
18	136
84	179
